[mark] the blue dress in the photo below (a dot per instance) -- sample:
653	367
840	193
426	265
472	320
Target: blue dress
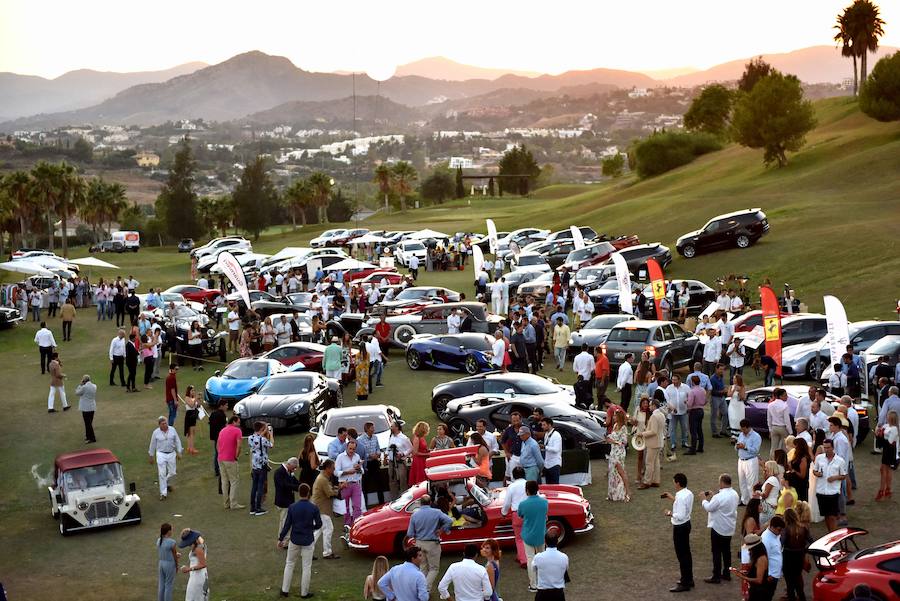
496	566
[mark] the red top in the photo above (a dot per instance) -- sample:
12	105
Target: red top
382	330
171	389
78	459
601	367
228	443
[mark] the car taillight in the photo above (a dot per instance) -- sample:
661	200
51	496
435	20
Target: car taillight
650	349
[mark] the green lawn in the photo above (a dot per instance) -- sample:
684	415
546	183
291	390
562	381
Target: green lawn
833	210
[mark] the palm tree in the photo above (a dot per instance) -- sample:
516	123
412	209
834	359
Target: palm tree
72	195
47	188
223	212
298	197
845	39
116	201
8	221
384	177
93	211
867	28
321	184
18	187
205	213
405	177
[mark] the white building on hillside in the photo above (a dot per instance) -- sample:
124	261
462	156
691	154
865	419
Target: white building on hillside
457	162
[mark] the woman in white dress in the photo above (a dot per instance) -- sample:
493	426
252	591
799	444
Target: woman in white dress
815	516
737	393
618	479
198	581
769	494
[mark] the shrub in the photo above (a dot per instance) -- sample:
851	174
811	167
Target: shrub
664	151
880	94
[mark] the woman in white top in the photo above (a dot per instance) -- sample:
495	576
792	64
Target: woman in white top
889	455
770	490
370	588
198	581
737	393
267	330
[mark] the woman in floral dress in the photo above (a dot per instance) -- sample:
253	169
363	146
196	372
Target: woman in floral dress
618	480
362	374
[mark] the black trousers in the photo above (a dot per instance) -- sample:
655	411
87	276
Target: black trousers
117	363
531	348
134	318
67	330
88	417
681	538
120	317
371	480
46	351
695	425
550	594
626	397
132	375
148	370
721	553
792	571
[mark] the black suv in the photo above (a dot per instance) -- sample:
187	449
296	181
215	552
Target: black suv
741	229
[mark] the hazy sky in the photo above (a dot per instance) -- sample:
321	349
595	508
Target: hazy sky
49	37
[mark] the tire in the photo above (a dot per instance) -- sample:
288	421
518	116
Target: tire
562	526
66	523
471	365
439	405
403	334
413	359
689	251
339	397
54	514
668	366
222	351
458	428
743	241
811	367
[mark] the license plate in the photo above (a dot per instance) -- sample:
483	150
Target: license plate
621	355
102	521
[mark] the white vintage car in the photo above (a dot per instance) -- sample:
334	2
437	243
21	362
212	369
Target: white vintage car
88	491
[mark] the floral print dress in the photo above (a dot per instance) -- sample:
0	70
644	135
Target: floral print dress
617	440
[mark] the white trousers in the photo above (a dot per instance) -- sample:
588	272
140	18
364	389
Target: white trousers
748	476
530	552
511	464
326	532
52	398
165	466
305	553
496	305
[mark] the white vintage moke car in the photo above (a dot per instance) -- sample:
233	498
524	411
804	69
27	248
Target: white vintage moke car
88	491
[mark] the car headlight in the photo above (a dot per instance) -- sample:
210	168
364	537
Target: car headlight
210	333
82	505
240	409
295	408
119	499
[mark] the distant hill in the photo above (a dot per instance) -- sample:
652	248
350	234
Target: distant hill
816	64
438	67
22	95
334	113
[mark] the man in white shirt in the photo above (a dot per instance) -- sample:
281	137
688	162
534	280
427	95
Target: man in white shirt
498	348
453	322
736	356
279	284
830	471
504	295
583	365
804	404
496	297
293	283
587	308
132	284
515	494
469	579
737	305
676	400
818	420
46	343
349	468
802	431
202	282
399	449
376	362
624	381
489	438
234	326
726	330
283	330
723	301
164	445
721	521
550	567
852	417
372	299
680	514
841	443
117	358
552	451
577	308
712	352
778	418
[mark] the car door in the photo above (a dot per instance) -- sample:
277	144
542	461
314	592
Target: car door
682	341
713	235
446	351
867	337
499	419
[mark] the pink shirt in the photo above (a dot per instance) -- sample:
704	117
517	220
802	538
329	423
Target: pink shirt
696	398
228	443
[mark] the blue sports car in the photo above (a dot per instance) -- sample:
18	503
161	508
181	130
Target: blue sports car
242	378
460	352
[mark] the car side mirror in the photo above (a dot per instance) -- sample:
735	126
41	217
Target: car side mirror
217	373
462	348
132	488
510	391
314	430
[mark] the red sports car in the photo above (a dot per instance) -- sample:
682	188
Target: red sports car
308	353
382	530
195	293
842	565
374	276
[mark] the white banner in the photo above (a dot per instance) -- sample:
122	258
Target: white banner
492	236
624	279
577	238
232	270
838	329
478	258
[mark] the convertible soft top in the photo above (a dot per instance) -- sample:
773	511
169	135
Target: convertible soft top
79	459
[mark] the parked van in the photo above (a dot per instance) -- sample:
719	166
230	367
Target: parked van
131	240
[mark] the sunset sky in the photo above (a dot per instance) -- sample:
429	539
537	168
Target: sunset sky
50	37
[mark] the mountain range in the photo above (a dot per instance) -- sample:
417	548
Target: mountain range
254	84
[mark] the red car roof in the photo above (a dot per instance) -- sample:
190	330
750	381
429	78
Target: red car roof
78	459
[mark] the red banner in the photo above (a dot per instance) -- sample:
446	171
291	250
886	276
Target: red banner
657	285
771	314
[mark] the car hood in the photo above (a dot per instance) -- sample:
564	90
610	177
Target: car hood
589	334
689	235
604	294
220	385
274	404
796	352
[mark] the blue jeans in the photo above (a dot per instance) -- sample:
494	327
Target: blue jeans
101	310
533	473
376	369
551	474
734	370
682	422
173	413
718	409
258	478
35	313
770	378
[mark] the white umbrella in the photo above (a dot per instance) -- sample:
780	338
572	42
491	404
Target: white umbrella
93	262
426	233
25	267
349	264
368	239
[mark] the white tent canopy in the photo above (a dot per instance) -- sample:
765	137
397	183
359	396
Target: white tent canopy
368	239
26	267
349	264
94	262
426	233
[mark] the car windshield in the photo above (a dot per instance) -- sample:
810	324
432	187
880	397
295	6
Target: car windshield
544	277
610	285
584	253
356	420
300	297
107	474
414	246
628	335
886	346
605	322
481	496
478	342
294	385
246	370
536	385
528	260
402	501
411	294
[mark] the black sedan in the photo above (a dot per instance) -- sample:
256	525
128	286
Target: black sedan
578	427
757	404
498	384
289	400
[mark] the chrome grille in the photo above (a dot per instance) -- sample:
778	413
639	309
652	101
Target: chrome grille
103	509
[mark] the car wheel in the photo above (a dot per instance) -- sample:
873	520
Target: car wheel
458	428
743	241
413	359
562	527
403	334
689	251
471	365
66	523
668	366
811	367
439	405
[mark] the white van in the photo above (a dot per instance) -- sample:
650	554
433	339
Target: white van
131	240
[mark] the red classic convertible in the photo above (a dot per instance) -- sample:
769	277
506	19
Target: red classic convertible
842	565
382	530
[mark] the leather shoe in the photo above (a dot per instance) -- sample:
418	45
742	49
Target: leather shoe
690	452
712	580
679	588
282	594
643	486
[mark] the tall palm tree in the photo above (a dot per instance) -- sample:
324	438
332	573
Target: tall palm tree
844	37
298	197
46	190
321	184
405	177
116	201
223	212
93	210
384	177
18	186
72	195
867	28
